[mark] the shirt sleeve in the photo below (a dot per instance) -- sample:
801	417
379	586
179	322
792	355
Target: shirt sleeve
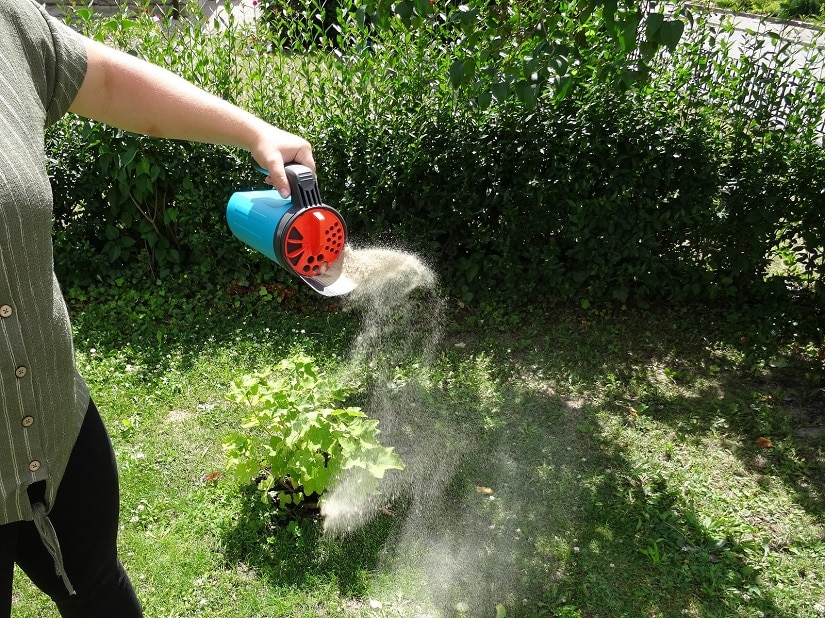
68	70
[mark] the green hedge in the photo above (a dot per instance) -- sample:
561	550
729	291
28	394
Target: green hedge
667	192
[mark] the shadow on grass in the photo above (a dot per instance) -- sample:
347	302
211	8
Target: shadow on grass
514	496
515	502
622	541
703	379
633	521
296	553
773	436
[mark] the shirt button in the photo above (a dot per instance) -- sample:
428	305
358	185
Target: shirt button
21	372
27	421
5	311
34	466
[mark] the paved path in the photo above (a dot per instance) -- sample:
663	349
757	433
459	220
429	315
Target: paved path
246	10
748	30
799	48
749	25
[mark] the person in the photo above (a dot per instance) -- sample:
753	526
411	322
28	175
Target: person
58	479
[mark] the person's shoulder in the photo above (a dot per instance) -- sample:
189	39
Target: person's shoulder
22	9
42	54
22	19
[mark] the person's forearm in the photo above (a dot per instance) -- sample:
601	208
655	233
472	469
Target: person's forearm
136	96
128	93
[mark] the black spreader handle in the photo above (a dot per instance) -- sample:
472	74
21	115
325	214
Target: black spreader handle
302	184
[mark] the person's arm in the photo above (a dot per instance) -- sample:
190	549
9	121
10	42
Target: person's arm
128	93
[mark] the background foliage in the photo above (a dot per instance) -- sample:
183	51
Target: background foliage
698	179
641	461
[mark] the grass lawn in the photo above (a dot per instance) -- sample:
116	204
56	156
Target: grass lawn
560	462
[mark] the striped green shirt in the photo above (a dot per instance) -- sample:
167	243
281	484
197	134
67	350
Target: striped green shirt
42	397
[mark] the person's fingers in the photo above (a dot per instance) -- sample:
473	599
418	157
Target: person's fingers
277	178
277	148
304	156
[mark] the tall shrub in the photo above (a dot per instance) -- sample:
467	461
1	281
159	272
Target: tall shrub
687	187
762	103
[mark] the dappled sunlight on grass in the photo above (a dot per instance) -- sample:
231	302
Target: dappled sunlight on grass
680	508
580	465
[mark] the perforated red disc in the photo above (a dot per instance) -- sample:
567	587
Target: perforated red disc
313	240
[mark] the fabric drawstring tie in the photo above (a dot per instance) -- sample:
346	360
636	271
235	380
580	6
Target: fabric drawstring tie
49	537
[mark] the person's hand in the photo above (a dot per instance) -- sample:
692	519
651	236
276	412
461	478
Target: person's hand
276	148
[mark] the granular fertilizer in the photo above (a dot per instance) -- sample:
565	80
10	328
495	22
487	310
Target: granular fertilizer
456	539
396	296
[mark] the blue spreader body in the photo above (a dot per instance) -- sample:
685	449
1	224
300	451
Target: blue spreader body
253	216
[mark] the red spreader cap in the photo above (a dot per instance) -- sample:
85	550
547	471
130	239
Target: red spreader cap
313	246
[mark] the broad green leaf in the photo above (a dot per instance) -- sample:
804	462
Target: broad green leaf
671	33
457	72
128	156
653	24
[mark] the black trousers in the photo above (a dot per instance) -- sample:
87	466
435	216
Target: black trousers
85	517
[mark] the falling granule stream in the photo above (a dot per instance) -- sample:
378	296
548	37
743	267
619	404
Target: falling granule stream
396	295
442	530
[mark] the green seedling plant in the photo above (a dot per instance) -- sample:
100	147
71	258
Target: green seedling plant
298	437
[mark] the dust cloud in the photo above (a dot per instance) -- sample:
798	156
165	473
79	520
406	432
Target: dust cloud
458	541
